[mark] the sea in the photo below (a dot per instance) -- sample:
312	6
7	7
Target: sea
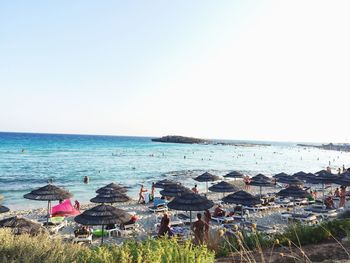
30	160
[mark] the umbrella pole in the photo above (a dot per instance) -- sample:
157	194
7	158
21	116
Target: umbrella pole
322	194
260	192
102	234
207	186
48	212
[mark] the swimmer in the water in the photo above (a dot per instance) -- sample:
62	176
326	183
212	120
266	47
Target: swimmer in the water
86	179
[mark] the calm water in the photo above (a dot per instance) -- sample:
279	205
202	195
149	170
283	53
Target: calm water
134	160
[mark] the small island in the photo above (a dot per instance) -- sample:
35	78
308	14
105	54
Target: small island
191	140
179	139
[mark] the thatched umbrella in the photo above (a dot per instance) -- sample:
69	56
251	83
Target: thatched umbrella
290	180
165	183
207	177
223	187
112	186
279	175
175	190
21	225
102	215
241	198
48	193
323	177
344	179
293	192
234	174
261	181
3	209
190	202
300	175
110	196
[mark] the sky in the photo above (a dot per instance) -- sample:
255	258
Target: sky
250	70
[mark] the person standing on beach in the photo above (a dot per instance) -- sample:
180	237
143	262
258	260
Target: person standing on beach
153	190
194	189
198	230
164	228
342	196
141	196
207	218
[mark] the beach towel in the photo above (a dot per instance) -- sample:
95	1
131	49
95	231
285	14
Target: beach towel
64	209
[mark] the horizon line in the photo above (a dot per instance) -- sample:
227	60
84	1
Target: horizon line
148	136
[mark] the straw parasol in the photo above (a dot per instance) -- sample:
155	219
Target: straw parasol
48	193
344	179
112	186
190	202
293	192
279	175
223	187
323	177
261	181
290	180
207	177
165	183
102	215
234	174
110	196
241	198
21	225
300	175
3	209
175	190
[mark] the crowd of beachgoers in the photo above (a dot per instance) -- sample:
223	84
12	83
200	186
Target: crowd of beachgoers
229	203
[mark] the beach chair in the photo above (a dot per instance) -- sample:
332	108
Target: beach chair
127	230
222	219
254	209
83	238
308	218
158	208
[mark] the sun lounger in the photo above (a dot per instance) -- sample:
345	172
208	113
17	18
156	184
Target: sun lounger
52	227
83	238
256	208
222	219
185	218
304	218
260	228
158	208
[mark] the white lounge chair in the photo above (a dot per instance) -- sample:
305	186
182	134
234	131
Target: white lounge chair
83	238
222	219
158	208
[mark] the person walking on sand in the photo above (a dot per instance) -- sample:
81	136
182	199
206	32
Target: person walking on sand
207	218
141	196
198	230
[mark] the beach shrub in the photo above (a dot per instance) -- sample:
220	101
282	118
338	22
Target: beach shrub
301	234
44	248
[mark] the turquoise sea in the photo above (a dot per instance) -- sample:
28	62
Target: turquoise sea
29	160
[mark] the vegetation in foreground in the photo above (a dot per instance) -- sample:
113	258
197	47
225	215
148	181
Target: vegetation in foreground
43	248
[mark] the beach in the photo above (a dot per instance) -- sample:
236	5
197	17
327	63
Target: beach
147	220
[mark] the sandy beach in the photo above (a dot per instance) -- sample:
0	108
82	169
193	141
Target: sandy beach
147	220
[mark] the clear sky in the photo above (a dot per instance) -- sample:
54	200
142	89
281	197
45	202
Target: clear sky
264	70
